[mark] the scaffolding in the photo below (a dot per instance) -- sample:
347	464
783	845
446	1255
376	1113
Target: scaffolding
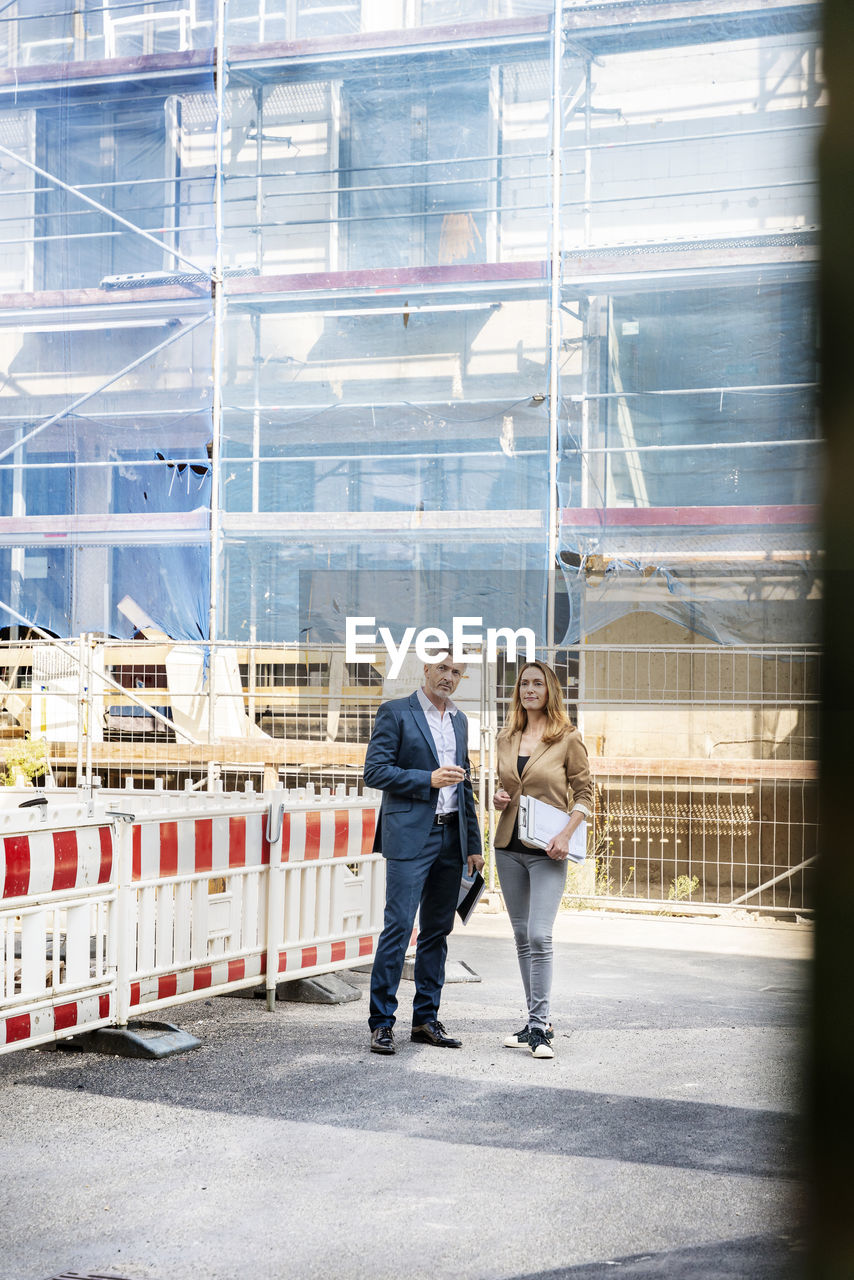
408	309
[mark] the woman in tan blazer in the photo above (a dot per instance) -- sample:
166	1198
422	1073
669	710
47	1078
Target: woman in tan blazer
540	754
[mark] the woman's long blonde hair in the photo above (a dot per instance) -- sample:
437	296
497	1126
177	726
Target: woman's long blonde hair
557	720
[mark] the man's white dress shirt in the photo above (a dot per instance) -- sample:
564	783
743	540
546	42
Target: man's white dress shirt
445	741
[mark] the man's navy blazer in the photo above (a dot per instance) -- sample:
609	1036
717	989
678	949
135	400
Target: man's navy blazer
400	758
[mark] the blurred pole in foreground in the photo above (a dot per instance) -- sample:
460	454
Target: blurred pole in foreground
831	1070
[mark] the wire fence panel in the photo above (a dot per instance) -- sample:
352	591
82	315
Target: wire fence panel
703	756
705	766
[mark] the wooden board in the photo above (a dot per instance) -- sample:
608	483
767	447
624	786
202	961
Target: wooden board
280	753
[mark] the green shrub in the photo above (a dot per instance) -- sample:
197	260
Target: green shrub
28	757
682	887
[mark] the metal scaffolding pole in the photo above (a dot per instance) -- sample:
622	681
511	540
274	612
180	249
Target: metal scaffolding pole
766	884
219	319
554	320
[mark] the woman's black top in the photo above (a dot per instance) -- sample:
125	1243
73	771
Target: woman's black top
514	842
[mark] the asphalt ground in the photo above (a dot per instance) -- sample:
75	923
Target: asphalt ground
661	1141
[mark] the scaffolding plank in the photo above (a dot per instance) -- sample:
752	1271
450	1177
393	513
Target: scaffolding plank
730	770
281	752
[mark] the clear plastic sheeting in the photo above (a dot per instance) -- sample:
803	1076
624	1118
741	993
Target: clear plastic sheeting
499	288
260	21
707	398
106	323
689	444
369	424
415	162
423	408
278	587
416	458
96	199
36	33
419	310
694	138
719	600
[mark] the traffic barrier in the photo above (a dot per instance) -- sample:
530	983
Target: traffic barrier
134	902
57	899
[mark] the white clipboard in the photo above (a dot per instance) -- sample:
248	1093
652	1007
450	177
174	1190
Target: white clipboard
539	821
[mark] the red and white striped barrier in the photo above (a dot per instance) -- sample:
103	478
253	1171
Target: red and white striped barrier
107	914
57	899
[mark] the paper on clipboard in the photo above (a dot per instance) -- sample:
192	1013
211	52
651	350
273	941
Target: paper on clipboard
539	821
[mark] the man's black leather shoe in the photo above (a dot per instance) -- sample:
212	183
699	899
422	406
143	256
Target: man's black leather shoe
382	1040
434	1033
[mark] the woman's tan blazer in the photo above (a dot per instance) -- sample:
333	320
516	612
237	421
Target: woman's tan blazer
558	773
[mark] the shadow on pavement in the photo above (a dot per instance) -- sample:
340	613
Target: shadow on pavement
766	1257
351	1093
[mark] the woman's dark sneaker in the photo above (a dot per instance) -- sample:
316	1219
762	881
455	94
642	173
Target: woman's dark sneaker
538	1043
519	1039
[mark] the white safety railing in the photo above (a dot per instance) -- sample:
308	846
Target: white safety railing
132	902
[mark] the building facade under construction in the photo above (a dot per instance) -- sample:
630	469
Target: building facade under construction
413	309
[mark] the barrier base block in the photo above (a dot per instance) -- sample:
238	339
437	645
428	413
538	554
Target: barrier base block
325	988
136	1040
455	971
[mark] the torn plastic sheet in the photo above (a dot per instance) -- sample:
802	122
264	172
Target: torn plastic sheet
690	459
107	412
725	603
736	575
95	464
86	476
171	588
62	589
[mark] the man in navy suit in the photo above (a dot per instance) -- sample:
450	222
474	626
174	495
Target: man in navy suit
428	834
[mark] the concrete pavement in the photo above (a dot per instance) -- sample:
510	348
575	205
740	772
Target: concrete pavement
662	1140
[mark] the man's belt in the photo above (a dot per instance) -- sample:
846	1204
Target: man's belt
440	819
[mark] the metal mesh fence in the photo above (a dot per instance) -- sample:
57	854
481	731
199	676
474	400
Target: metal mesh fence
703	758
